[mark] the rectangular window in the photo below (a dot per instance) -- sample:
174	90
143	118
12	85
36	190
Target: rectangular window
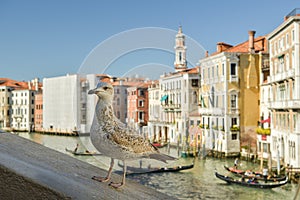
142	93
233	69
141	103
233	121
234	136
195	82
223	69
233	101
192	122
141	115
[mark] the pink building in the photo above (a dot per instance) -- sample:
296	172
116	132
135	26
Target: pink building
138	106
38	114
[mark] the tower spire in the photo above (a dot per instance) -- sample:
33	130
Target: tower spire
180	51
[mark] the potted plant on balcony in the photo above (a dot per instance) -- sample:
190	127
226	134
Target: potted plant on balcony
235	128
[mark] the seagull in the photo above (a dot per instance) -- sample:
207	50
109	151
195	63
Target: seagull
114	139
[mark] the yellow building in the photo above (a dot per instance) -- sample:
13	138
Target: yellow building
229	95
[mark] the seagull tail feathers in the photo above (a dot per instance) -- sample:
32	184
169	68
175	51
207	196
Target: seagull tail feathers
161	157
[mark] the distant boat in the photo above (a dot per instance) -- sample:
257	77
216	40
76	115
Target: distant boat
83	153
257	175
159	145
137	170
251	183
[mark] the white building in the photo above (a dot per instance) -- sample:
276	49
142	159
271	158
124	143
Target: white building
264	131
178	96
22	110
61	97
284	89
67	106
22	106
155	113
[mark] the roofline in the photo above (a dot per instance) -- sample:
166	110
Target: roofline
283	25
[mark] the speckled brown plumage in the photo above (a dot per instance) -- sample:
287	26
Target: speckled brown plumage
113	139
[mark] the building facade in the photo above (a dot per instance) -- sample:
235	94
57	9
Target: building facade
173	99
284	90
38	113
5	107
138	107
120	101
155	114
264	128
61	104
229	95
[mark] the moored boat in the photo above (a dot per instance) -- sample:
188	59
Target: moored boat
251	182
83	153
251	174
137	170
159	145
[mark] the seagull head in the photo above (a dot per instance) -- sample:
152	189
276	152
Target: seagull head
103	90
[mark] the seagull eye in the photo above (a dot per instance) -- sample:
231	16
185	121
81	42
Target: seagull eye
105	88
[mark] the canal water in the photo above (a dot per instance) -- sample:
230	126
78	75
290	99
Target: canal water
197	183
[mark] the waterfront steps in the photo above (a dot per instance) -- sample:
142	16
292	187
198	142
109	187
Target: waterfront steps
31	171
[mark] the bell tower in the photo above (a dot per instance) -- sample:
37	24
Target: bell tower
180	51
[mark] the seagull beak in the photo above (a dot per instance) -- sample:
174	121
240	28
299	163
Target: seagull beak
92	91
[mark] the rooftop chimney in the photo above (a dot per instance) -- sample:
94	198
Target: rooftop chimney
221	46
251	41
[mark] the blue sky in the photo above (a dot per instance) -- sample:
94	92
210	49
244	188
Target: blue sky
53	38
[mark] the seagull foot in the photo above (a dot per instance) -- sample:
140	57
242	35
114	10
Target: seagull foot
116	185
100	179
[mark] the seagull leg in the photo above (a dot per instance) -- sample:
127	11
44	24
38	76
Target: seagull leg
118	185
105	179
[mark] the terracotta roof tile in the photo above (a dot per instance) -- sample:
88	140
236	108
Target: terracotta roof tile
260	44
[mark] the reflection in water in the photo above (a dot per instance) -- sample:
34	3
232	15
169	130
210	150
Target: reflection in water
196	183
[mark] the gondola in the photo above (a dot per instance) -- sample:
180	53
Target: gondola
137	170
252	184
257	175
86	153
159	145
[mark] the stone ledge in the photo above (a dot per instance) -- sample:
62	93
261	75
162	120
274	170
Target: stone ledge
32	171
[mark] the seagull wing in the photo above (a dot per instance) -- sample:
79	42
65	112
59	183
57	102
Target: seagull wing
132	142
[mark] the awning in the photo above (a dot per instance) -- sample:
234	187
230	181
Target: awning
163	98
266	120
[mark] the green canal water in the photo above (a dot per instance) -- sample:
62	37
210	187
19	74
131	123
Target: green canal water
197	183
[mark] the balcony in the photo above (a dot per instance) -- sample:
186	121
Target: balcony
293	104
171	107
282	76
235	111
233	78
212	111
141	121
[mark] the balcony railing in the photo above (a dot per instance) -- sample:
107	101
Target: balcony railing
212	111
234	111
284	104
166	106
282	76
